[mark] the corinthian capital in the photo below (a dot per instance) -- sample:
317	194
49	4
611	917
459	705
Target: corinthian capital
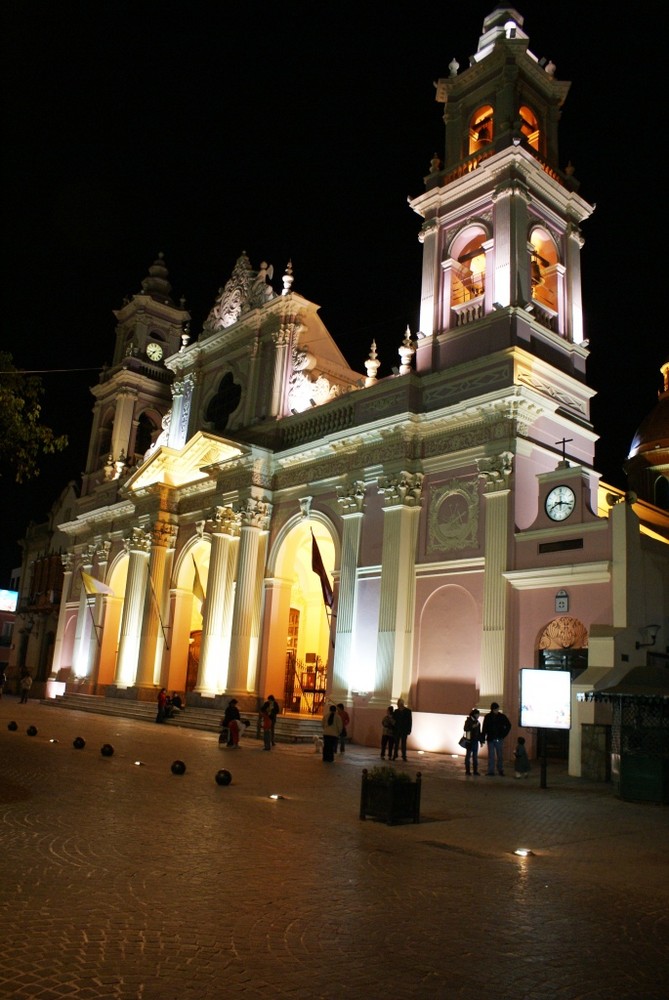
138	540
404	489
351	497
495	470
223	521
255	513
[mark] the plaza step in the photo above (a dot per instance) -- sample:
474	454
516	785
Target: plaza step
289	728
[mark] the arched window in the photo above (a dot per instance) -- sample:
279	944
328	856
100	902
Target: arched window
146	434
105	438
469	272
543	270
529	126
481	128
662	493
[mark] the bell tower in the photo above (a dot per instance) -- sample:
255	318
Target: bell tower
501	223
133	395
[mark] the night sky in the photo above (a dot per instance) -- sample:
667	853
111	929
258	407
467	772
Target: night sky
294	131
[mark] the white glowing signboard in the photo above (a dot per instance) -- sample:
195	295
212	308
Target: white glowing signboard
8	600
545	699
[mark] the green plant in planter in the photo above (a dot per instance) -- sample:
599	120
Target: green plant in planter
387	774
389	795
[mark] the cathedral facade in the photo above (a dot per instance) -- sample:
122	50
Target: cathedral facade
255	515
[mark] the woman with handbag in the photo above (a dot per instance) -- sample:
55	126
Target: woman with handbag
472	729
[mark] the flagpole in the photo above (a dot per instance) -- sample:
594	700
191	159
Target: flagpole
90	609
155	599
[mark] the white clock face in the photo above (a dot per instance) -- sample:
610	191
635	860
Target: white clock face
560	503
154	351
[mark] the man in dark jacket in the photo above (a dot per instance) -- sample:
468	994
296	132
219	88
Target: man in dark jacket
402	719
496	727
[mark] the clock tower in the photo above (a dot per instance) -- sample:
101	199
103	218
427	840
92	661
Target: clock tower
133	395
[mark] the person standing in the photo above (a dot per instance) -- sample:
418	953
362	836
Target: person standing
162	705
273	712
496	728
25	685
345	720
402	717
387	734
332	727
522	761
266	724
472	729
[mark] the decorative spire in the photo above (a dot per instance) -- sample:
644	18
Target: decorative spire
372	366
156	284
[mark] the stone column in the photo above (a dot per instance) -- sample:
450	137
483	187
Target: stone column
401	511
255	516
84	633
223	527
429	308
495	472
182	395
350	499
572	326
98	605
281	352
163	536
138	546
67	560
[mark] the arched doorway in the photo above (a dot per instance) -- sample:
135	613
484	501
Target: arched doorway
301	631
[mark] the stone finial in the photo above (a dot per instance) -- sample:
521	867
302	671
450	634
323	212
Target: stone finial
372	365
435	164
288	278
406	352
453	66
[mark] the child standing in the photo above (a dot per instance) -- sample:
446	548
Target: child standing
266	723
522	764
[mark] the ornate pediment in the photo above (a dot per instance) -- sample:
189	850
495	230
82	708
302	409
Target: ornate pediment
174	467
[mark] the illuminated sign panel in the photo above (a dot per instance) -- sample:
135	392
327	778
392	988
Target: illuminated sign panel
545	699
8	600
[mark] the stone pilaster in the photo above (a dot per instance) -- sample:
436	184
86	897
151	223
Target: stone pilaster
495	472
67	560
350	499
401	511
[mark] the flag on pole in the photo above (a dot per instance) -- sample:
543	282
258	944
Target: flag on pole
93	586
318	567
198	589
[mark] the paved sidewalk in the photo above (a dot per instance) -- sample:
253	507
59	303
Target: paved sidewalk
124	880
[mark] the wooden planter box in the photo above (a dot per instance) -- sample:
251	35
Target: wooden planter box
392	801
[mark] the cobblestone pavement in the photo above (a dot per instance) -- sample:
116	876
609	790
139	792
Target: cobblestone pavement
124	880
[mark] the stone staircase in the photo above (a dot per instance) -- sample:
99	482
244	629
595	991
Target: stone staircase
289	728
